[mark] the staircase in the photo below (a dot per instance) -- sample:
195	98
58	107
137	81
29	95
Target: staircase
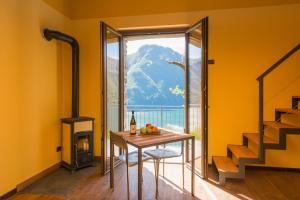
255	144
233	165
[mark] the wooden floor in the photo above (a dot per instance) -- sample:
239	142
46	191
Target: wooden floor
88	184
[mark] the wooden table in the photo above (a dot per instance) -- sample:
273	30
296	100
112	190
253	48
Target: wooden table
143	141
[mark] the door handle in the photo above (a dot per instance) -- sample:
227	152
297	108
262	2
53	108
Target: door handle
211	62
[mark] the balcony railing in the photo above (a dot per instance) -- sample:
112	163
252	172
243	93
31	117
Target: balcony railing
171	117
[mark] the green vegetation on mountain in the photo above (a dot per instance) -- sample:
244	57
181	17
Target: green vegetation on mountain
154	76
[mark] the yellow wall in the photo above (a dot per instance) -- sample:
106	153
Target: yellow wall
118	8
243	42
35	81
31	77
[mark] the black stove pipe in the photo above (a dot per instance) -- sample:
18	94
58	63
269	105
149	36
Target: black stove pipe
51	34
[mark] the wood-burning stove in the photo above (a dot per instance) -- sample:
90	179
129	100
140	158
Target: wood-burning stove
77	142
77	132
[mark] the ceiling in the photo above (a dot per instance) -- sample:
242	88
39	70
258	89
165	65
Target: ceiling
80	9
62	6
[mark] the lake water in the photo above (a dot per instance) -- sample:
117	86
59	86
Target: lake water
172	117
161	116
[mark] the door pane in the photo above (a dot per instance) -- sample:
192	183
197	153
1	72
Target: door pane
195	91
112	86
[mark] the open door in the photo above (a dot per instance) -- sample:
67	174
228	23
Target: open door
196	92
112	89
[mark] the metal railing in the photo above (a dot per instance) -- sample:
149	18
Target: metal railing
157	115
260	80
171	117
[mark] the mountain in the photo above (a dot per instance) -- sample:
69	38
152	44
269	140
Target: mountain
150	76
112	81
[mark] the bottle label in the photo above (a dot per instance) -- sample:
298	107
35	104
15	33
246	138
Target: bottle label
132	129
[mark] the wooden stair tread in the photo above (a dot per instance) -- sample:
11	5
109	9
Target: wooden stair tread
254	137
225	164
278	125
240	151
288	110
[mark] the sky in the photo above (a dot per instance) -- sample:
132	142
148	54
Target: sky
176	43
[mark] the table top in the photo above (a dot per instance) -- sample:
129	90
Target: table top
142	141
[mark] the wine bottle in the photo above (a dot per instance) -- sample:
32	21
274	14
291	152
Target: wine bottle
132	124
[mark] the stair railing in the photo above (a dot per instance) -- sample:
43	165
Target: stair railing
260	80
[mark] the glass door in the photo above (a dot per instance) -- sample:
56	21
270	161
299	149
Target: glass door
196	92
112	89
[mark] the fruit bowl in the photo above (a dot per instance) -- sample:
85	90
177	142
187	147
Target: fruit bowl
149	129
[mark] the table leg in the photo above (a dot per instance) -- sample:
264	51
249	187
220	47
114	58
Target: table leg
187	154
140	174
111	159
193	167
183	164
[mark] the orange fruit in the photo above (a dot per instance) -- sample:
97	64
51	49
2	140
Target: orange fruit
155	129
